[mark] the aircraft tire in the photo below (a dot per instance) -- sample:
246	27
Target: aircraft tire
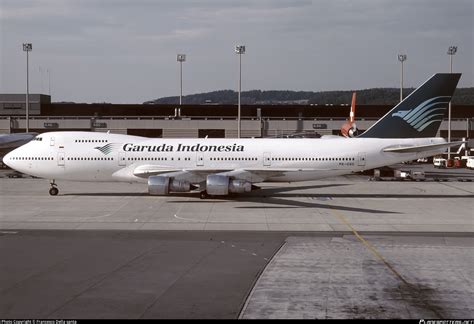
53	191
203	195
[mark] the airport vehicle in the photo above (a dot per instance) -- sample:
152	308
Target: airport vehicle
439	162
470	162
409	175
218	167
401	175
417	175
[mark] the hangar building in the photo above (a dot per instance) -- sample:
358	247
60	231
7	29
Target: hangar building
212	120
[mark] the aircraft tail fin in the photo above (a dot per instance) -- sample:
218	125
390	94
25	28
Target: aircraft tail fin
420	114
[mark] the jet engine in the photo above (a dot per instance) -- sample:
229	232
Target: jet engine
220	185
161	185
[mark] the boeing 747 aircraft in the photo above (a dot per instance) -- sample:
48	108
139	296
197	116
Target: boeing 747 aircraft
217	167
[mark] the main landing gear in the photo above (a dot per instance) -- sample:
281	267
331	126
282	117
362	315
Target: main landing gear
53	191
204	195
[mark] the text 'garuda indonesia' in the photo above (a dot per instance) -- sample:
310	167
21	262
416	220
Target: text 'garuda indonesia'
129	147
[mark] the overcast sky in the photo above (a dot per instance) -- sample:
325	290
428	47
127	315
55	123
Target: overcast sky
124	51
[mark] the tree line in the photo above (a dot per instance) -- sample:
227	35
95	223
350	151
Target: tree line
374	96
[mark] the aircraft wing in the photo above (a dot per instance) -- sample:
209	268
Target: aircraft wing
420	148
261	174
144	171
197	175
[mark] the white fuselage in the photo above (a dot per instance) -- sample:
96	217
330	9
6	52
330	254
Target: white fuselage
92	156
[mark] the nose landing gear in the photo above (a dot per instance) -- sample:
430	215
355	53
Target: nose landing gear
53	191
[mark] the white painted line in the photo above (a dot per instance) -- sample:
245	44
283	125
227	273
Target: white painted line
186	219
95	217
8	232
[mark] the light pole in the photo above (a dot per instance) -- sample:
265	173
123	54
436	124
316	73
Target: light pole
27	47
402	58
239	49
49	81
451	51
181	58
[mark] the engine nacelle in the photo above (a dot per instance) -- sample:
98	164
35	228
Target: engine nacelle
217	185
180	186
239	186
160	185
220	185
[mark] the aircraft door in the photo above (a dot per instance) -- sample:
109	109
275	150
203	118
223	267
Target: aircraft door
51	141
267	159
122	159
61	159
361	159
199	159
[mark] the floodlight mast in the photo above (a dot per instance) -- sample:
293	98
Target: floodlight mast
27	47
451	51
239	49
49	81
181	58
402	58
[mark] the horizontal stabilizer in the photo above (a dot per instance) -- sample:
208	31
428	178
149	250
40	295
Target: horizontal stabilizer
420	148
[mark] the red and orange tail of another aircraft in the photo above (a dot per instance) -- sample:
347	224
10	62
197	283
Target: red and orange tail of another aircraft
349	128
353	108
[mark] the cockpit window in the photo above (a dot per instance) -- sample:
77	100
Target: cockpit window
38	138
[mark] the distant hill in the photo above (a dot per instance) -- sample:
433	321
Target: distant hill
374	96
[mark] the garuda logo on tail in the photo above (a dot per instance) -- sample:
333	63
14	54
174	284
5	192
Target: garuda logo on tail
425	114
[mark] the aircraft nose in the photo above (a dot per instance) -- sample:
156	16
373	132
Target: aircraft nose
7	159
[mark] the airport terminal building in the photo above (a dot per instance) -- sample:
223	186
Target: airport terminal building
198	121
